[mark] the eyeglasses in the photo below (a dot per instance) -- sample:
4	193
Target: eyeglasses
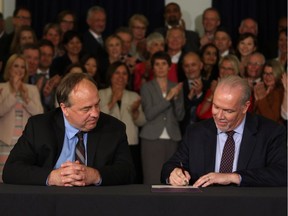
227	68
23	18
268	74
139	28
255	63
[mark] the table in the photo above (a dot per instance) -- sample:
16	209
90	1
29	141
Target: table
137	200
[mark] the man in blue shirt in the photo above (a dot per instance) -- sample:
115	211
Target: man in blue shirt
46	152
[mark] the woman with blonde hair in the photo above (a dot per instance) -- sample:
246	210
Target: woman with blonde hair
19	101
138	24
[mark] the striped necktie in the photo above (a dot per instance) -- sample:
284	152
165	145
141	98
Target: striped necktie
80	148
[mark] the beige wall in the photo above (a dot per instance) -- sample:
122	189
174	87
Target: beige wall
7	8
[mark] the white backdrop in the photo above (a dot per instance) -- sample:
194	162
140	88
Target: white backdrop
192	12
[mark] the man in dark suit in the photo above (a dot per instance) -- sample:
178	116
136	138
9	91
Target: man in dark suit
93	41
259	155
194	88
21	17
173	18
48	154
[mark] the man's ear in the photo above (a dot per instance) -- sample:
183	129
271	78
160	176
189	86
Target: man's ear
246	106
64	109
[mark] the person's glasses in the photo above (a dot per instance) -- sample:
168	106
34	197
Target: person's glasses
268	74
226	68
23	18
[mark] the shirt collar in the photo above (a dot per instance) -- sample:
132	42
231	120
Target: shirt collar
69	129
39	71
225	53
94	34
239	129
179	24
176	57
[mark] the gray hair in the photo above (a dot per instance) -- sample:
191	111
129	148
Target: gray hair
154	37
234	81
95	9
260	55
234	61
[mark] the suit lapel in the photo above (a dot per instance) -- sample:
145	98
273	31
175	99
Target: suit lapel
248	142
59	130
93	138
210	143
169	85
123	107
92	145
156	88
116	108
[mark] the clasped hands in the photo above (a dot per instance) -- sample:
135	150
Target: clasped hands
178	178
73	174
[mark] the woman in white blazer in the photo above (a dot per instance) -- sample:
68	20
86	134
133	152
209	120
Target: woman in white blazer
124	105
18	101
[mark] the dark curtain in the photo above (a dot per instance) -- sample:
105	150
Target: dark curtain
265	12
118	12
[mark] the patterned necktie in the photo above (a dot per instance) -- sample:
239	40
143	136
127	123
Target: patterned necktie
80	148
228	154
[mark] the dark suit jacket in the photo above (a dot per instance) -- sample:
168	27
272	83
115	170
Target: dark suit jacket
191	105
93	47
38	149
60	65
262	157
5	42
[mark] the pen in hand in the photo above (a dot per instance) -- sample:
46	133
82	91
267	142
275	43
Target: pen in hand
183	171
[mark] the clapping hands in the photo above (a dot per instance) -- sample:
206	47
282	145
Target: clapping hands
196	88
174	92
260	91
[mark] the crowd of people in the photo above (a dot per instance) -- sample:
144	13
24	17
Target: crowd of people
159	85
